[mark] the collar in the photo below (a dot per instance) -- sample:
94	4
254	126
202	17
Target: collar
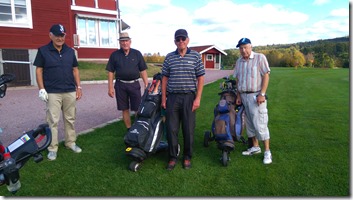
176	52
52	48
123	52
251	56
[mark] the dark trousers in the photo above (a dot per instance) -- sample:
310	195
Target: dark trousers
179	111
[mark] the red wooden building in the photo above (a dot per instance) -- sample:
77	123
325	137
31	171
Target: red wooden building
92	28
211	56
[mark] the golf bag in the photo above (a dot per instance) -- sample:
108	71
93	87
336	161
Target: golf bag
228	122
29	145
145	135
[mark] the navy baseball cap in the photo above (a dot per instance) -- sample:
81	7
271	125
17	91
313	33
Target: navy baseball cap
58	30
243	41
181	33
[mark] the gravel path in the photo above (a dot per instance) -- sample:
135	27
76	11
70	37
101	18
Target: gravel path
21	110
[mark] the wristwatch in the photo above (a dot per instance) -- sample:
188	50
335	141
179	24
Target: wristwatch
263	94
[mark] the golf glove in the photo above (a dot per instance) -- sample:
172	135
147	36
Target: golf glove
43	95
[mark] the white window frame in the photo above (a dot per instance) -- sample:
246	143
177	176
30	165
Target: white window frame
13	23
209	57
97	31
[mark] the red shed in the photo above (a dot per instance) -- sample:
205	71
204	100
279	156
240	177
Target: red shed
91	26
211	55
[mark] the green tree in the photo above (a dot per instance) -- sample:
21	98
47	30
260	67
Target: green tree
231	58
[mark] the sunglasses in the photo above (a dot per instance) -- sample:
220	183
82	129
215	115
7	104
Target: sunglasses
180	38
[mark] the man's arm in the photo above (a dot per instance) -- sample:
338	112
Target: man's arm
144	77
39	77
264	84
111	92
164	91
265	81
77	77
43	95
200	83
78	83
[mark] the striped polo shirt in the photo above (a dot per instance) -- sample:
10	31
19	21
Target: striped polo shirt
182	72
249	72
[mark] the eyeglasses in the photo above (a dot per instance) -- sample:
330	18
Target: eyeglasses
180	38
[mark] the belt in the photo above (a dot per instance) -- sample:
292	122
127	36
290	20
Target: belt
190	92
248	92
132	81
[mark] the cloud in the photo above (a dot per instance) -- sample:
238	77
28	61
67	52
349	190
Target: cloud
320	2
240	13
224	22
269	25
343	12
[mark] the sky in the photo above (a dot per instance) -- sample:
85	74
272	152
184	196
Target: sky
224	22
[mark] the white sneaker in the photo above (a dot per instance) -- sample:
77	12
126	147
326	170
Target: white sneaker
267	157
75	148
52	155
251	151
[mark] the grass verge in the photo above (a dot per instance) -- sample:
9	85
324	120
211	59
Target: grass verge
309	125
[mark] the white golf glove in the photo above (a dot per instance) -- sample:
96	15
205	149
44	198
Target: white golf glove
43	95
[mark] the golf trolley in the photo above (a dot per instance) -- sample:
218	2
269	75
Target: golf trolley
228	122
30	144
145	137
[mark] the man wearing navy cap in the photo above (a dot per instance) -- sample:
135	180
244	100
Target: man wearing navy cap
59	86
252	73
183	77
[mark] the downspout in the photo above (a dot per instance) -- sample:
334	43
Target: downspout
119	21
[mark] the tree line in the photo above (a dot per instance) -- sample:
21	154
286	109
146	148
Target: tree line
329	53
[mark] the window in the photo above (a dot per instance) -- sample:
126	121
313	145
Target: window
16	13
108	33
209	57
97	32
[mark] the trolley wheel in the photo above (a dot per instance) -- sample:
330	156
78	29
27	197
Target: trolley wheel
38	157
225	158
134	166
206	139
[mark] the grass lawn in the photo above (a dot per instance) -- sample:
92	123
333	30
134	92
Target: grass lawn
310	143
96	71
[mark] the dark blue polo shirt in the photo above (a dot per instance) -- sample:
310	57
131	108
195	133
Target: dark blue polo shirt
126	67
182	72
57	67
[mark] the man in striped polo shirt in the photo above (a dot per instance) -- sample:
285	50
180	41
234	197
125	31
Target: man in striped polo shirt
183	78
252	74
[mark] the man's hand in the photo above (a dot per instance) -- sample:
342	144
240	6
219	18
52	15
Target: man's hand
196	104
111	92
43	95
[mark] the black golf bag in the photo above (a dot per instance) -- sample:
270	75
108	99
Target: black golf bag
30	144
146	133
228	122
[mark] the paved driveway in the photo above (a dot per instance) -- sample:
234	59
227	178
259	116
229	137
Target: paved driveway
21	110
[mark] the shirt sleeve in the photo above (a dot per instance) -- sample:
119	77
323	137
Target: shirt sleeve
200	69
142	64
265	68
39	60
110	64
75	62
165	71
